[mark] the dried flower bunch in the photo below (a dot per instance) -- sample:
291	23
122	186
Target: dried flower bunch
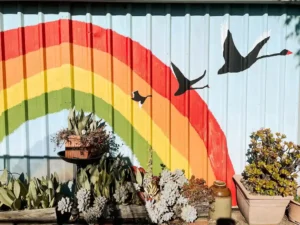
199	194
92	133
273	164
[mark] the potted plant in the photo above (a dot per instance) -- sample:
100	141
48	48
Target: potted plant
268	183
85	137
294	209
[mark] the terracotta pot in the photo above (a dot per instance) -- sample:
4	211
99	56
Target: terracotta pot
260	209
75	149
223	203
294	212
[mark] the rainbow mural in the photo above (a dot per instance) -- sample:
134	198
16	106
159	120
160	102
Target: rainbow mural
97	69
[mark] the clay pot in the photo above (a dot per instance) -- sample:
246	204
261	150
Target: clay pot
294	212
221	207
260	209
75	149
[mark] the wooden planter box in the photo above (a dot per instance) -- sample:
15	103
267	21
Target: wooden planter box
29	216
123	213
75	149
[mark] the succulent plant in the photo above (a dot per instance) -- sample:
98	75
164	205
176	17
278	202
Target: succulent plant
34	193
92	214
64	205
198	194
273	164
12	191
83	199
43	193
188	213
92	133
121	194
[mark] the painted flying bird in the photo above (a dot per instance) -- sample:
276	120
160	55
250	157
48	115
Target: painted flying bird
234	61
184	83
138	98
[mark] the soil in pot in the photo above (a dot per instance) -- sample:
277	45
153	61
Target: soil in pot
294	212
260	209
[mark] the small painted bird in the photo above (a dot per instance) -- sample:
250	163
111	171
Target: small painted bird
138	98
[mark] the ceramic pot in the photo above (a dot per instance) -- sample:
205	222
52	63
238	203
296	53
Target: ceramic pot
294	210
221	207
260	209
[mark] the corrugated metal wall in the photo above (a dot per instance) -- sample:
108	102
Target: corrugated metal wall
133	45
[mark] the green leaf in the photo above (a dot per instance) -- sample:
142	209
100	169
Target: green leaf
139	178
10	185
23	188
56	177
33	190
17	204
5	198
58	189
52	203
4	177
50	184
44	204
94	175
17	189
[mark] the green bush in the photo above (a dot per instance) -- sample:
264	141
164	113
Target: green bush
273	164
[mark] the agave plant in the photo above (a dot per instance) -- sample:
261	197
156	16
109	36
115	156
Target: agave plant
32	194
12	191
43	193
81	124
107	178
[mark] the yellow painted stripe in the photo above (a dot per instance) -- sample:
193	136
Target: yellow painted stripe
60	77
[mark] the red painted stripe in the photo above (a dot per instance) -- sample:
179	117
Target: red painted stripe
143	62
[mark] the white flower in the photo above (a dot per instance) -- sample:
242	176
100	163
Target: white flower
83	132
64	205
189	214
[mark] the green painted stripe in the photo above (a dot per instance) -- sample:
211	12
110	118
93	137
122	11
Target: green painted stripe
56	101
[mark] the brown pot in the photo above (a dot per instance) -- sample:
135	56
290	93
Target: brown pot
75	149
260	209
221	207
294	212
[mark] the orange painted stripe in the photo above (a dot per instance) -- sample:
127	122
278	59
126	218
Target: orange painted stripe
83	58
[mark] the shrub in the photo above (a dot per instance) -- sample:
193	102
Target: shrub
273	164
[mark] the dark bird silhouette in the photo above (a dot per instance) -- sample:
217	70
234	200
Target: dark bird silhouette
184	83
235	62
138	98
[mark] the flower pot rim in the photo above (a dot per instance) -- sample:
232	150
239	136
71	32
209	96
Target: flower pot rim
295	202
237	178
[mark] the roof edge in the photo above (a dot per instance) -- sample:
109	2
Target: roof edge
297	2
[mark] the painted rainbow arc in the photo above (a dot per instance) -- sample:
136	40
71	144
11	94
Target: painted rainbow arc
82	66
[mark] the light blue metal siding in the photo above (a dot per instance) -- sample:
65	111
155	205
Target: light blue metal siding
189	35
